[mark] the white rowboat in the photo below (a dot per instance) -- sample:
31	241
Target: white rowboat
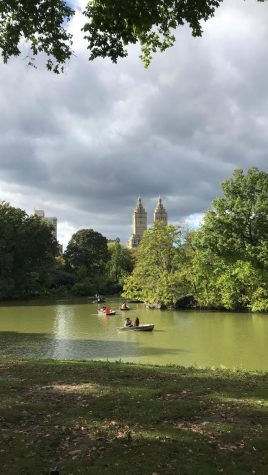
147	327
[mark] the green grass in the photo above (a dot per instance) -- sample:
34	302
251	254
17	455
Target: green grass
115	418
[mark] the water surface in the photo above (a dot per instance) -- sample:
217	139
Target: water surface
73	330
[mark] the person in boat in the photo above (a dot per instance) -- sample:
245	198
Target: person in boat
104	308
128	322
137	322
107	310
124	306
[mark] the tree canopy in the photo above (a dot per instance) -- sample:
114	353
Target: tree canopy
89	249
121	262
229	253
41	24
110	26
237	225
158	276
27	250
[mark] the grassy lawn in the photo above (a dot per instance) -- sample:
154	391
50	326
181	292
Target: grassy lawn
115	418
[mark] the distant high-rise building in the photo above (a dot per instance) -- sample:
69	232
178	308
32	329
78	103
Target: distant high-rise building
139	222
51	220
160	214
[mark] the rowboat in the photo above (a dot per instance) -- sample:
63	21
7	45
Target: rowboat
102	312
147	327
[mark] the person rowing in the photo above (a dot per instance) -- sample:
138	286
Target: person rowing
128	322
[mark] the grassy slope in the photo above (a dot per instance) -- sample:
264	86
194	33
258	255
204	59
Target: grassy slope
95	417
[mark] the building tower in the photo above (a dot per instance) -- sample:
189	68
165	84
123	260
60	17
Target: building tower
139	222
160	214
53	221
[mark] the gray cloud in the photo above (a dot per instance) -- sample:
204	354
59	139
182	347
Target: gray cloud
83	145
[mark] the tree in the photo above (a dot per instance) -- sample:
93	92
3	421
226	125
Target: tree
27	251
158	275
229	254
87	250
113	24
217	282
109	27
39	23
121	262
237	225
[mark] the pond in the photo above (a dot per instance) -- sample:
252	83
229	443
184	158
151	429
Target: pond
72	329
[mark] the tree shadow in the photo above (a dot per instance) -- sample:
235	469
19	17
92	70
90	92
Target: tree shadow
40	345
115	418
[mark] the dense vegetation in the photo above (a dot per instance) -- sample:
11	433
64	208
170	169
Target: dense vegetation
110	26
97	266
222	265
30	263
27	251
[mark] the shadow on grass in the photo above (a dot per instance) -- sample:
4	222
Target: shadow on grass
126	419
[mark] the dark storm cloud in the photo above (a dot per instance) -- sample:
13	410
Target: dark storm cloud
83	146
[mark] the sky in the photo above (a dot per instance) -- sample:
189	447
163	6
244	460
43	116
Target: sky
84	145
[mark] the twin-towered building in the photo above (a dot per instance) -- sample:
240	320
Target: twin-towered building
139	221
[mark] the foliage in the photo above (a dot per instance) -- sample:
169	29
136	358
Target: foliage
229	254
218	283
87	252
109	27
157	277
61	279
237	227
84	287
41	24
113	25
120	264
27	250
87	255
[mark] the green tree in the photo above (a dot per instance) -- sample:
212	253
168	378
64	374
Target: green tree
110	26
219	283
237	225
39	23
229	254
113	24
27	252
87	252
61	279
121	262
158	275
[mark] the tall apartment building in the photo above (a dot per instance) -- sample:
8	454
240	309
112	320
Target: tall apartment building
160	214
51	220
139	221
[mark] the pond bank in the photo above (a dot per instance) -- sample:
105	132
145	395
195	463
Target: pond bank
102	417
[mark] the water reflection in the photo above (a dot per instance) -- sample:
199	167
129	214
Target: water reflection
61	330
74	330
